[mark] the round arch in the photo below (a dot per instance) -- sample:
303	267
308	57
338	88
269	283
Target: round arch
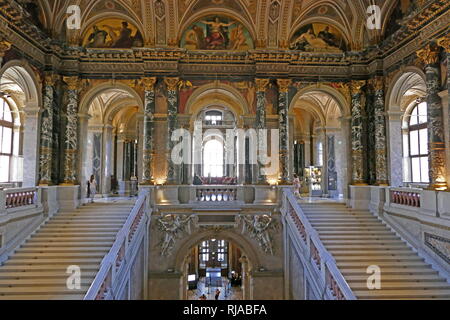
243	243
399	82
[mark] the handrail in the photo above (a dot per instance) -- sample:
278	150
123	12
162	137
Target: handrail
12	198
112	264
318	255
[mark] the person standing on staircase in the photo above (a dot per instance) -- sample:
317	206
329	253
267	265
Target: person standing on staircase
92	188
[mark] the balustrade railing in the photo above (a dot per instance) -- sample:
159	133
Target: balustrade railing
116	263
16	198
327	271
216	194
407	198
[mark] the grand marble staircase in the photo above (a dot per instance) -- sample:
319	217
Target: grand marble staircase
356	239
38	269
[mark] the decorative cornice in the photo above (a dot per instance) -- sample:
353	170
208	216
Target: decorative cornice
429	54
261	84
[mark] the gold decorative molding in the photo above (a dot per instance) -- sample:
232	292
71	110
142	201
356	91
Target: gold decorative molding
4	47
356	85
171	83
445	42
73	82
261	84
148	83
51	79
429	55
283	84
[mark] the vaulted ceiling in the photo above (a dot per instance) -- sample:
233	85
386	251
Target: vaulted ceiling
270	22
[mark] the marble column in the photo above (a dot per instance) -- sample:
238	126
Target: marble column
172	111
283	126
149	111
261	86
358	172
46	134
107	155
445	43
436	140
71	131
380	133
31	146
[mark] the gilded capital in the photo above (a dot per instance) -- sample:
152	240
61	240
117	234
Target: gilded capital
73	83
283	84
261	84
51	79
429	55
356	85
148	83
444	42
4	46
377	83
171	83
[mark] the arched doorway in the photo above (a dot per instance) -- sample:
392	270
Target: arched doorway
111	147
216	266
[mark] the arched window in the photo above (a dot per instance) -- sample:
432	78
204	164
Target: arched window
416	145
213	118
6	140
213	159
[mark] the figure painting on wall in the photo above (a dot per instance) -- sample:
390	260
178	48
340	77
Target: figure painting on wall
318	37
217	33
113	33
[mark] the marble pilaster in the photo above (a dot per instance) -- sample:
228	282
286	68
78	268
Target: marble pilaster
357	126
283	127
149	111
261	86
172	111
30	146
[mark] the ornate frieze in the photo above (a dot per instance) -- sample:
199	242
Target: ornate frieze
430	56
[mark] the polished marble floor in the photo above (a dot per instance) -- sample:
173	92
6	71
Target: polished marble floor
226	292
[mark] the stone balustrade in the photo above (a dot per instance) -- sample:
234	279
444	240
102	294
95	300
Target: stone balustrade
19	198
326	271
115	269
407	198
216	194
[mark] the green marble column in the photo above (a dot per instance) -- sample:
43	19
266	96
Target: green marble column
436	141
261	86
71	131
283	126
46	134
149	111
357	125
172	111
380	132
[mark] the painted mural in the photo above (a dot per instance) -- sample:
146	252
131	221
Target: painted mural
113	33
318	37
217	33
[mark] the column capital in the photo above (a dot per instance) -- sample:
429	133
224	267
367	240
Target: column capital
429	54
72	82
261	84
172	83
51	78
377	83
356	86
148	83
445	42
283	84
4	47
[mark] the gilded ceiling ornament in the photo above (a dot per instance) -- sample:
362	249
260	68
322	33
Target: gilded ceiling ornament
72	82
356	85
171	83
148	83
283	84
445	42
429	55
261	84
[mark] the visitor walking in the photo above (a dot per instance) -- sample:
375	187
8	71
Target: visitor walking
92	188
217	294
297	186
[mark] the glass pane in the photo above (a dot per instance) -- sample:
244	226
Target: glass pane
4	169
414	142
2	106
415	163
423	139
6	140
422	112
413	120
424	169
